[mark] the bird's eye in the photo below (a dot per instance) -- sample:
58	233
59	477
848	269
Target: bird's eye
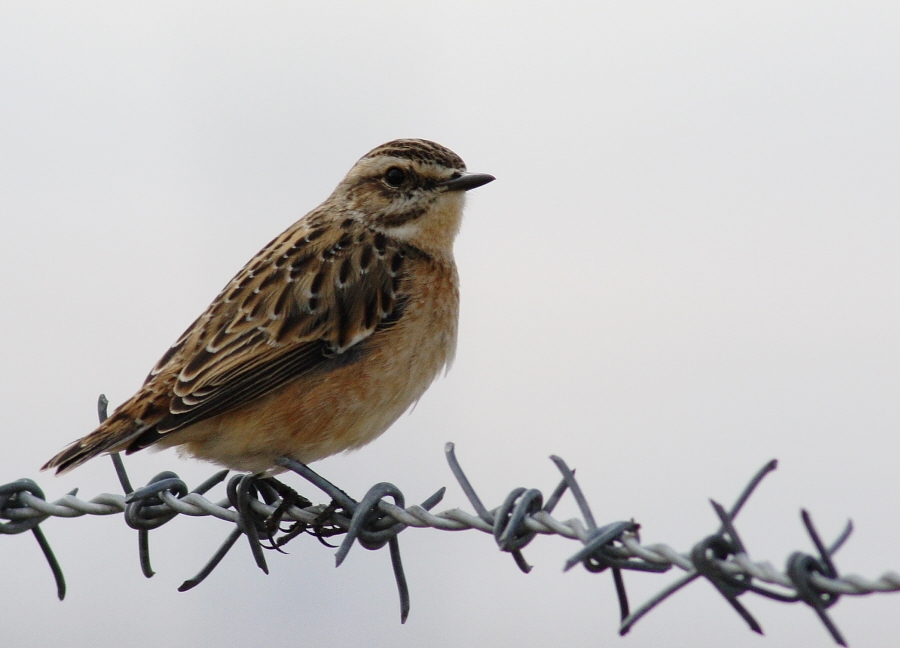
394	176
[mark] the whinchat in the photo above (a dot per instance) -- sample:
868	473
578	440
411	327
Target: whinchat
325	337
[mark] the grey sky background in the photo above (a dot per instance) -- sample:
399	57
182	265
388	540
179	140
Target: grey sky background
686	267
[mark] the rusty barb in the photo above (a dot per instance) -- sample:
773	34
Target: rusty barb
269	513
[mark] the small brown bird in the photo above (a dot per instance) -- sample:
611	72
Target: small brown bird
325	338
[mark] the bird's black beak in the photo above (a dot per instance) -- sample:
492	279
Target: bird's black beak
466	181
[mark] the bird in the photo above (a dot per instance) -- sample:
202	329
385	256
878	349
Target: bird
325	338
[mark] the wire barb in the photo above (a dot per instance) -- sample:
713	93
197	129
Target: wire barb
711	557
12	502
801	568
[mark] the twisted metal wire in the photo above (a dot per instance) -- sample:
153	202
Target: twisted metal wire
260	507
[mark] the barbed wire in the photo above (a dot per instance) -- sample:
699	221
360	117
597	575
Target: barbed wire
270	514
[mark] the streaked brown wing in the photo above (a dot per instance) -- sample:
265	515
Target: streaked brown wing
304	301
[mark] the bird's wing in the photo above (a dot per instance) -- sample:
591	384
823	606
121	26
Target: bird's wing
300	303
309	298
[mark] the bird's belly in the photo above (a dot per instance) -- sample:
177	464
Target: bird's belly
338	409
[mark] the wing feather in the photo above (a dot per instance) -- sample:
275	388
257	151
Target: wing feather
301	303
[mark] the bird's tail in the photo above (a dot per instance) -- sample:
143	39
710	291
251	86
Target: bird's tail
113	435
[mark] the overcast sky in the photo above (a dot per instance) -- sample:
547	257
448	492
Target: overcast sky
688	265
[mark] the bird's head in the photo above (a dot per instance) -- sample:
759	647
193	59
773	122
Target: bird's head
412	190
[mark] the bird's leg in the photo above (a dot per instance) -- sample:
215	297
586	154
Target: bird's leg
323	526
310	475
289	497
